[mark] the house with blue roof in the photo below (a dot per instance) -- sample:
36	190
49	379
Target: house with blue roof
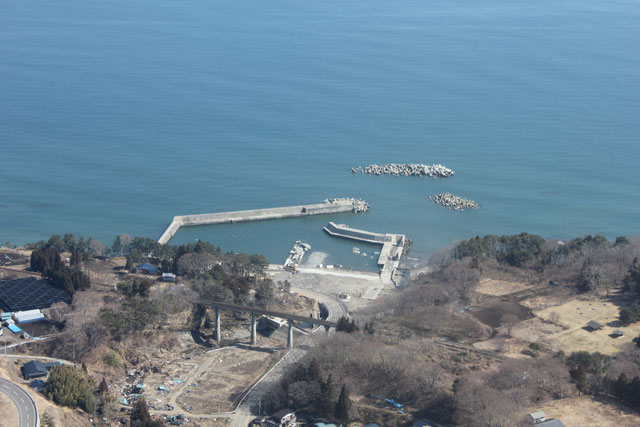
146	269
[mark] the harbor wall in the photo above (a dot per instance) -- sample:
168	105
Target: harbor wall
355	234
254	215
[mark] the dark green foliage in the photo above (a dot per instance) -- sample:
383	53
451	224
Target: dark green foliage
632	279
140	416
265	293
587	369
514	250
629	315
313	370
346	325
70	386
198	313
114	321
306	389
327	394
625	390
368	328
343	406
47	420
47	261
621	241
139	287
258	260
103	387
135	315
129	265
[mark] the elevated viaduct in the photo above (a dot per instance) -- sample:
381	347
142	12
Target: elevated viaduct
254	311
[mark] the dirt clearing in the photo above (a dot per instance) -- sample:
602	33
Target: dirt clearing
495	312
500	287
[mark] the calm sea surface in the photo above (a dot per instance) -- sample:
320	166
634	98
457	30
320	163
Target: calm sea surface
117	115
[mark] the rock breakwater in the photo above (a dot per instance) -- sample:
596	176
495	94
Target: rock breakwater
407	169
450	201
359	205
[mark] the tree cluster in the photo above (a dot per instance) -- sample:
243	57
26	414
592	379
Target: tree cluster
135	314
140	416
515	250
308	389
346	325
47	261
70	386
137	288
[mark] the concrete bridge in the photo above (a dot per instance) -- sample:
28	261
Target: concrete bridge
259	311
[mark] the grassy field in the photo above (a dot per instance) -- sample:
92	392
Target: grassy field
584	411
573	317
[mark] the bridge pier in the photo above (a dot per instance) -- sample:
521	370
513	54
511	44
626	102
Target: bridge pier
253	329
218	335
290	335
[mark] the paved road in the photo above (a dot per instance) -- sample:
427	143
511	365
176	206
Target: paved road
27	409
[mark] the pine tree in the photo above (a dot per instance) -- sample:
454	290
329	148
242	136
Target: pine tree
129	265
326	396
343	406
103	387
313	370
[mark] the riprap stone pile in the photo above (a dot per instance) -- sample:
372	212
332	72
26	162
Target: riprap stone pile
450	201
410	169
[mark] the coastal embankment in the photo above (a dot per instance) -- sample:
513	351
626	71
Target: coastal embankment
392	246
410	169
329	206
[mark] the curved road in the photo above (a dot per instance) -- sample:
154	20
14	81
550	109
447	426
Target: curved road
27	409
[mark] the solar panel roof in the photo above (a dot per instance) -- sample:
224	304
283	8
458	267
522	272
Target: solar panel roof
30	293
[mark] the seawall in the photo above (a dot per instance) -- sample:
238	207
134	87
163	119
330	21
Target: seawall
328	207
392	246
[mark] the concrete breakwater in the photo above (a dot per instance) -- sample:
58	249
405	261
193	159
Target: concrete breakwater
392	246
450	201
329	206
410	169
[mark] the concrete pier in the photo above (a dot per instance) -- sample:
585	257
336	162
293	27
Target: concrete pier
392	246
218	336
254	334
290	334
329	206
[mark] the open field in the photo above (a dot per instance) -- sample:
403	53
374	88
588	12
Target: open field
495	287
361	287
208	383
573	317
584	411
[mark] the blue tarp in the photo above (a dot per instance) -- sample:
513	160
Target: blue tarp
14	329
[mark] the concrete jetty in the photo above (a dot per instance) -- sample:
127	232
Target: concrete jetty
329	206
392	246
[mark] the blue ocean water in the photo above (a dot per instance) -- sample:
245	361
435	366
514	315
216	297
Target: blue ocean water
115	116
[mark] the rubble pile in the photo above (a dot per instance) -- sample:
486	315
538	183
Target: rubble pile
358	204
450	201
410	169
